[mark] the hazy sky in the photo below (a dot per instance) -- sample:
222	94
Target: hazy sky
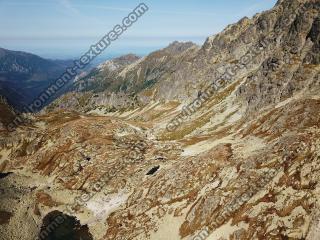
66	28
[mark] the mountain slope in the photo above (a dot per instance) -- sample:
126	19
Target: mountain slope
104	75
242	162
23	75
121	87
255	49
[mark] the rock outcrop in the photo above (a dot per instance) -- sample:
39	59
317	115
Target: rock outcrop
242	160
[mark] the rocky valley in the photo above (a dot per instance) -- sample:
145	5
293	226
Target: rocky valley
217	142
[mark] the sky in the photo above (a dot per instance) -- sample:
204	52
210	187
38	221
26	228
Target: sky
64	29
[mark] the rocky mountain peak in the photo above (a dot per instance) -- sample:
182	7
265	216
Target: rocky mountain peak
177	47
119	62
215	142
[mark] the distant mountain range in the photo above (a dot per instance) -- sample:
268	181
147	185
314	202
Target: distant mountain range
129	81
219	141
23	75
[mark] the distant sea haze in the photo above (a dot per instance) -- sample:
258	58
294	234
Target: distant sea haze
73	48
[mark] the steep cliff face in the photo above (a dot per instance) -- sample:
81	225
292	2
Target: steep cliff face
240	162
292	65
270	51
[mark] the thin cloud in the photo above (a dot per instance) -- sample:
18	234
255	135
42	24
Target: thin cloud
71	7
186	13
107	7
255	8
66	4
4	2
151	11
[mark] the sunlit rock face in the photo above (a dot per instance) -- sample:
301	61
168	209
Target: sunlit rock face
243	165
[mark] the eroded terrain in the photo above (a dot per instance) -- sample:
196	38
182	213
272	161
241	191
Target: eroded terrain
244	165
